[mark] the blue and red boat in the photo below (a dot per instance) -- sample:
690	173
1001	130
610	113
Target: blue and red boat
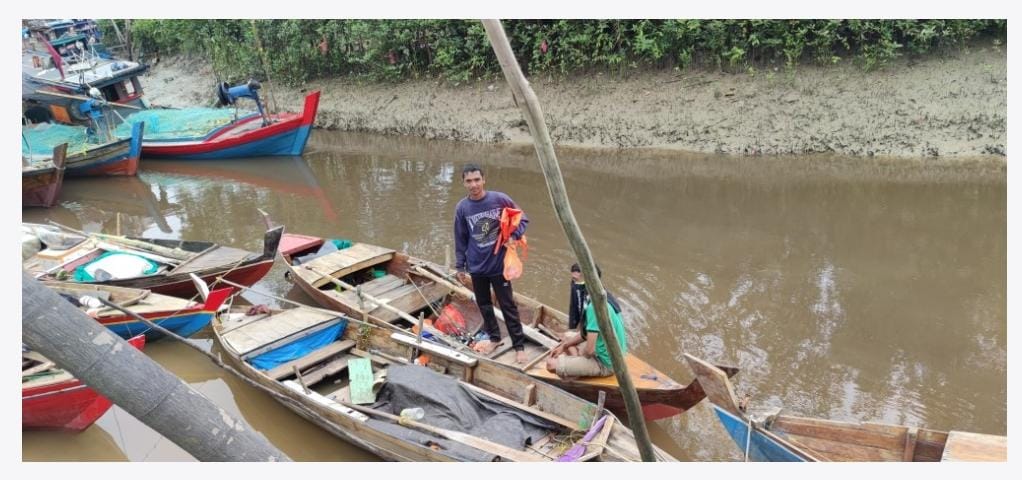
255	135
181	316
119	157
87	155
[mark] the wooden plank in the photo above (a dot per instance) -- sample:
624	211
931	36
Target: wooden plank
410	302
886	437
434	349
42	367
521	406
316	356
910	445
344	262
330	368
837	450
530	394
715	383
288	339
219	257
975	447
283	325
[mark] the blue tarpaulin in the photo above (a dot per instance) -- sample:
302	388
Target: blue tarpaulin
299	348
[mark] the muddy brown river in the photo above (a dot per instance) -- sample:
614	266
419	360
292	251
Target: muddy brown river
852	289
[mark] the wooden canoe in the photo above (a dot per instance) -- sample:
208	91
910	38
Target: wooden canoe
660	395
181	316
41	182
786	438
178	260
315	384
53	399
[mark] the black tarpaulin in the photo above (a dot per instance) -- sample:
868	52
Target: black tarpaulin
449	405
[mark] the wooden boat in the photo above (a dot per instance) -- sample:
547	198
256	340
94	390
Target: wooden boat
285	134
410	284
58	75
53	399
183	317
40	182
117	157
316	382
786	438
176	260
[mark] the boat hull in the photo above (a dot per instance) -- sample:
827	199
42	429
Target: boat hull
185	323
70	405
113	159
40	188
288	135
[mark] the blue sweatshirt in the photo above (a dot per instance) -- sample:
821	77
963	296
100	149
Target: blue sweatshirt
476	227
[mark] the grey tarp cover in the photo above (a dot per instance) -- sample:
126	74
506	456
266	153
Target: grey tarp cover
451	406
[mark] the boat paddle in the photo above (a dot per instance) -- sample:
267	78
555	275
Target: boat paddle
576	452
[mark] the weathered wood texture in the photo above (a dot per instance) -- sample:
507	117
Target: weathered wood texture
134	382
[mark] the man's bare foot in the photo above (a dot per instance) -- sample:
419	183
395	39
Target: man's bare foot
484	347
521	357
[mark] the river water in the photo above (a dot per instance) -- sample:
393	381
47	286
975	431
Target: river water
850	289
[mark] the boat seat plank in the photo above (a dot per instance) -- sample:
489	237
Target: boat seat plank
434	349
254	335
214	258
373	288
314	357
975	447
407	299
343	262
332	367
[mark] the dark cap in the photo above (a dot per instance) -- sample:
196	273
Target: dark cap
576	268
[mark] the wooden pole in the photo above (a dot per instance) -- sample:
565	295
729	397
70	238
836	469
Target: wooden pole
527	101
143	388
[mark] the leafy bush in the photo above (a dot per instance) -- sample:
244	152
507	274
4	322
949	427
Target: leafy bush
295	51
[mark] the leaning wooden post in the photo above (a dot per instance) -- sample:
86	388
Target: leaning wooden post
108	365
526	100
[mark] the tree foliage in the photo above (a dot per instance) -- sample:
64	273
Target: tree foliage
458	50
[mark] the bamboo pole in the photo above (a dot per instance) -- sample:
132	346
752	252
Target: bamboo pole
527	101
143	388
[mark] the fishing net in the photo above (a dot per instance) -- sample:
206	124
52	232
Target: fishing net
39	140
167	123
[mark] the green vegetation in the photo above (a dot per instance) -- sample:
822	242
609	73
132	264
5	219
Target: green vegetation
457	50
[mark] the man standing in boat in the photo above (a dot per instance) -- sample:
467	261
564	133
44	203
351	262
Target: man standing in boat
476	229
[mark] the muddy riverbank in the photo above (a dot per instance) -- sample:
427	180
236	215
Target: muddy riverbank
952	106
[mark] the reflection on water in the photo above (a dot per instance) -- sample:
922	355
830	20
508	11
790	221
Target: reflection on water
854	289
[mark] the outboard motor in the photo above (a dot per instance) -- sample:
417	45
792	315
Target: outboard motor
93	109
227	95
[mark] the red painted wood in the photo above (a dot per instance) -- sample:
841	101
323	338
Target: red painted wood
68	405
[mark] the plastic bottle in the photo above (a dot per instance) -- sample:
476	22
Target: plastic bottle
413	413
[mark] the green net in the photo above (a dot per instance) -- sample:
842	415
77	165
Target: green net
166	123
39	140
